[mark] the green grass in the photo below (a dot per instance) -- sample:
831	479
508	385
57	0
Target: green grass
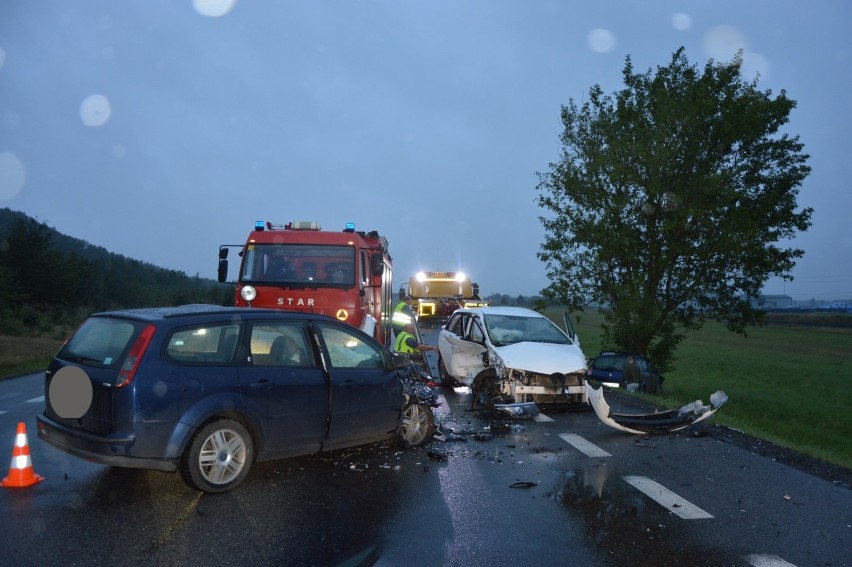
25	355
791	385
13	370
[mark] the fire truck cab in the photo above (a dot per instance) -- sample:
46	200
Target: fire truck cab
300	267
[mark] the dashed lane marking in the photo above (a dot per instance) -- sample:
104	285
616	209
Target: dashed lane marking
541	418
760	560
35	400
585	447
667	498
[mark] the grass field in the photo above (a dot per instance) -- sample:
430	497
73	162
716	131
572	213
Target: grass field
791	385
25	355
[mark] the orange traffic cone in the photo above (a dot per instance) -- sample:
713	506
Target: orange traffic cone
21	472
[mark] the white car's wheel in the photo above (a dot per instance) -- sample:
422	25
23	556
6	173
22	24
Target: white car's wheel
485	391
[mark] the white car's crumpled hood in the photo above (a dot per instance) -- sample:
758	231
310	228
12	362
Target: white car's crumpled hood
545	358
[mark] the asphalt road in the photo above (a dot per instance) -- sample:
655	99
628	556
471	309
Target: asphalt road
489	493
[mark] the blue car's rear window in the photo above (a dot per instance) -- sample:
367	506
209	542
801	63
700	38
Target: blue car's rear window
609	363
100	342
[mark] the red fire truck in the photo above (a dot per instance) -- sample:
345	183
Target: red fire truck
300	267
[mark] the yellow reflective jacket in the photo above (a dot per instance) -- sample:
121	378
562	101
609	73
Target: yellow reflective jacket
401	343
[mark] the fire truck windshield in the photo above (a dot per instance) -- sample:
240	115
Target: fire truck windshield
299	264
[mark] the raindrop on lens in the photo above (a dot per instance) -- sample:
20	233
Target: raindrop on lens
13	176
95	110
601	40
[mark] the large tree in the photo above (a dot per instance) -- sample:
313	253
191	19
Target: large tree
671	203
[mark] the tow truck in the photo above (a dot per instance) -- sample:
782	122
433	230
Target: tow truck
439	294
297	266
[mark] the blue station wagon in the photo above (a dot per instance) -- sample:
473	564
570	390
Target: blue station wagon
208	390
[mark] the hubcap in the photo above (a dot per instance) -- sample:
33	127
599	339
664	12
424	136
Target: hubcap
222	456
414	424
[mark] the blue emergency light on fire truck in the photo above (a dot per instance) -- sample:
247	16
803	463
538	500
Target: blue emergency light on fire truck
300	267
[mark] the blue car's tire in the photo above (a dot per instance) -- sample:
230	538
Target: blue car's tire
219	456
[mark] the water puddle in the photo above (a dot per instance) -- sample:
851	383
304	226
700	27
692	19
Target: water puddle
627	528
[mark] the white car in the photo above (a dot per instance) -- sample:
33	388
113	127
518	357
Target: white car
512	358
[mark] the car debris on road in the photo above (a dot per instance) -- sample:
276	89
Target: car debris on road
665	421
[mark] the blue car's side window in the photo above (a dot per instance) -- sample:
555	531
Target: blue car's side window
203	344
347	349
280	344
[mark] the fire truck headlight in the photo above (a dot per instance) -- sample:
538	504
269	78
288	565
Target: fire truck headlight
248	293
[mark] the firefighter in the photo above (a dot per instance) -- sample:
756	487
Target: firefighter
406	342
402	313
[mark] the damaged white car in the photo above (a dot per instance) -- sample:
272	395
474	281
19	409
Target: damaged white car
515	360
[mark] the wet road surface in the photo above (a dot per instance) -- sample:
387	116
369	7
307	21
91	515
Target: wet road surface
565	489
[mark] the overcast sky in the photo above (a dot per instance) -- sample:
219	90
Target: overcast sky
160	129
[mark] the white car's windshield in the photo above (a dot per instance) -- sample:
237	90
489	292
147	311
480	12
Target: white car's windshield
510	329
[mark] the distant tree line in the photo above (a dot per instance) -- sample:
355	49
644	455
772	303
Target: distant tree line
532	302
45	288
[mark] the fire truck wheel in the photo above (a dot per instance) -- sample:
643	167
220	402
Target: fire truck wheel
446	379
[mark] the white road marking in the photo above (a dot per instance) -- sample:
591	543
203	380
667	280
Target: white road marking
35	400
585	447
667	498
541	418
759	560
